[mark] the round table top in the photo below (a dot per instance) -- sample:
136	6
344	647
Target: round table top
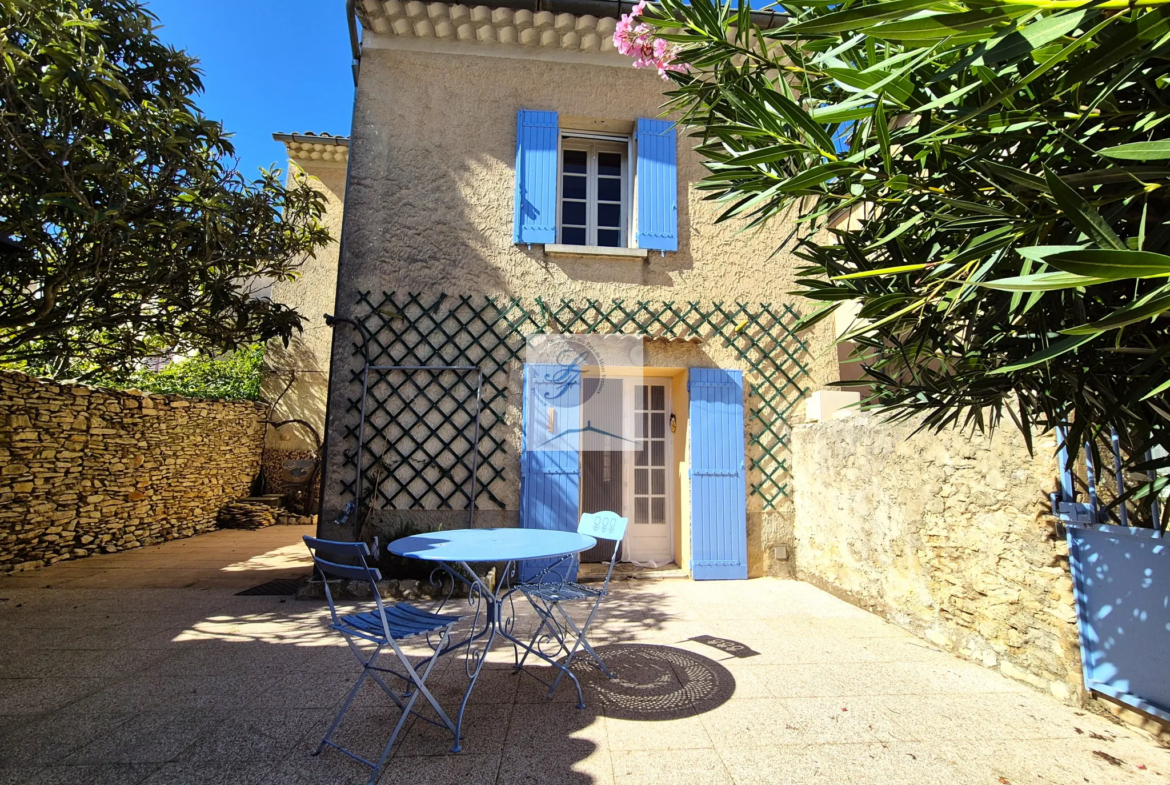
483	545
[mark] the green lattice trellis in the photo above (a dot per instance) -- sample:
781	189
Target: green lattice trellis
420	425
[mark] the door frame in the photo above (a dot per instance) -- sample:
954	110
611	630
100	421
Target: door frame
671	466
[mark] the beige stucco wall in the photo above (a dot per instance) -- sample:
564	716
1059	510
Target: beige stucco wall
305	361
431	207
944	534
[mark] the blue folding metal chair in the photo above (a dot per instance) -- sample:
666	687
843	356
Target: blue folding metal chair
547	597
383	626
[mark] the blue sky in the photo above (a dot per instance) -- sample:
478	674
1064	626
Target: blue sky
268	65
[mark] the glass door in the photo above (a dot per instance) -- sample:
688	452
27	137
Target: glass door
649	487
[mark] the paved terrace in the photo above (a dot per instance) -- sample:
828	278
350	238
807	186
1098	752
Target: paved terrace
144	667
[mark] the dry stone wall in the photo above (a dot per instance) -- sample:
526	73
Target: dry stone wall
85	471
945	535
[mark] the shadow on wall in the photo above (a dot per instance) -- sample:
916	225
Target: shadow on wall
431	237
298	386
655	270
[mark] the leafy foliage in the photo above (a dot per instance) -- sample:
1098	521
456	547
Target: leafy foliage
235	377
999	214
129	232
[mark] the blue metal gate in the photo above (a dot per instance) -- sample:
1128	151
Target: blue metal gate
1121	583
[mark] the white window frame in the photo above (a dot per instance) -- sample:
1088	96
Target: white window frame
592	144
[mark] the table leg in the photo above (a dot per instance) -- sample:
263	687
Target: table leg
474	662
494	624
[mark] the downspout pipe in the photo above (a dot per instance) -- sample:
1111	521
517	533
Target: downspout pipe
355	43
325	531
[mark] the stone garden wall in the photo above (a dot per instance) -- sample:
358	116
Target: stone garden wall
85	471
946	535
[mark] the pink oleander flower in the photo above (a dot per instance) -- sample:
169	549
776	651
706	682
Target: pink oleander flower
634	38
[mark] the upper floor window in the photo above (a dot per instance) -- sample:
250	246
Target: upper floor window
594	192
600	190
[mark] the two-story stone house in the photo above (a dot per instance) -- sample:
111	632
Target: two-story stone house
510	175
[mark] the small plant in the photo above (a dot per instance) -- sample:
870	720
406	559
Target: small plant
235	377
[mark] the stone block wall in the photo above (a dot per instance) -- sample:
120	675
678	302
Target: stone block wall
85	471
946	535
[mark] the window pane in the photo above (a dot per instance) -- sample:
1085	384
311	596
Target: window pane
658	425
573	213
658	481
609	189
639	426
658	510
609	215
609	164
571	235
641	483
641	513
641	455
657	398
575	161
609	238
573	187
657	454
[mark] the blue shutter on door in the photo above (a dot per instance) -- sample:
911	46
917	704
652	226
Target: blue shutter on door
718	480
657	177
550	462
536	177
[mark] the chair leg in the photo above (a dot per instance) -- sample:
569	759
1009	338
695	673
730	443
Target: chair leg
406	710
352	694
416	688
583	636
580	643
532	643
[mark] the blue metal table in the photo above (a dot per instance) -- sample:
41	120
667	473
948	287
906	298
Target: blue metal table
455	550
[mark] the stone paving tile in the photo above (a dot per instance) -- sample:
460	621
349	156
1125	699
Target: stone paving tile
159	693
119	773
328	768
196	685
253	734
556	766
669	767
210	773
311	690
37	696
684	732
984	716
867	763
38	741
461	769
149	737
80	662
751	722
485	730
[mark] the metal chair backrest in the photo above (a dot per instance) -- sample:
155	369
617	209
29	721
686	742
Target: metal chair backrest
362	571
605	526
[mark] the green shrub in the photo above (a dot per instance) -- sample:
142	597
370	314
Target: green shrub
235	377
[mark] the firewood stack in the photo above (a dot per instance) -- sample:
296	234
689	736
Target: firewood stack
247	514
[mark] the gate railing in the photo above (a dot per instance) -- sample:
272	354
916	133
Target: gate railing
1071	507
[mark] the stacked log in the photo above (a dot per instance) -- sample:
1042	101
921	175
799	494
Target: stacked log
247	514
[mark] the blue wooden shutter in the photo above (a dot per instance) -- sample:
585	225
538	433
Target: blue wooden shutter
536	178
550	478
657	176
718	480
